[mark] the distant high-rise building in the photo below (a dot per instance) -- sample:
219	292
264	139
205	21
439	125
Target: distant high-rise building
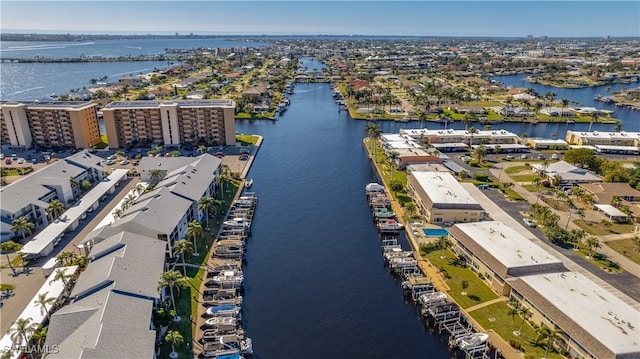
49	124
170	123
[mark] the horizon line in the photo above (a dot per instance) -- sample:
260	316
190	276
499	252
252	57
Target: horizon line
191	33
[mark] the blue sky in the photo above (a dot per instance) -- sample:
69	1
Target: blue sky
428	18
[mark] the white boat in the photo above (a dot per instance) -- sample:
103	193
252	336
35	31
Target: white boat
227	310
219	322
389	226
237	223
374	188
229	277
429	299
472	341
248	183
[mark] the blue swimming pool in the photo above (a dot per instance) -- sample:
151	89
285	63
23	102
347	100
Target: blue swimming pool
435	232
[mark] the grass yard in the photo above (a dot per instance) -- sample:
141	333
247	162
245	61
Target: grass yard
494	317
245	139
524	178
477	291
626	248
515	169
600	260
599	229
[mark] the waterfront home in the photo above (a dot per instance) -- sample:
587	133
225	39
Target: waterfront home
558	111
441	198
500	252
593	323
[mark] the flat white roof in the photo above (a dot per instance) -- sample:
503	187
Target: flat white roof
442	187
607	135
611	210
507	245
613	322
53	230
32	310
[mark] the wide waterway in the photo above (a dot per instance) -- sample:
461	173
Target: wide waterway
315	283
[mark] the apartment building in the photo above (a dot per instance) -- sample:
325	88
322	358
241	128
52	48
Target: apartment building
441	198
30	196
49	124
598	138
170	123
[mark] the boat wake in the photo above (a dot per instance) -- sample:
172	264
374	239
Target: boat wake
27	90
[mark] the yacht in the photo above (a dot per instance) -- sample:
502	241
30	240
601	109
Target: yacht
227	310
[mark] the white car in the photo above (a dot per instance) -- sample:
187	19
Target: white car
124	162
555	156
529	222
509	157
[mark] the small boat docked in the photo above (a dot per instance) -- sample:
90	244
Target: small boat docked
248	183
384	214
471	341
228	278
430	299
373	187
223	311
389	226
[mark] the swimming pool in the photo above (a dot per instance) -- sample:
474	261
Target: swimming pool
435	232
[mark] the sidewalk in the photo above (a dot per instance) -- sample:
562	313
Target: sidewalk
627	264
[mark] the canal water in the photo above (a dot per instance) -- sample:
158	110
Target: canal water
315	283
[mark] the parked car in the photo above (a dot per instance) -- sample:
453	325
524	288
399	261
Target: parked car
124	162
7	161
541	157
509	157
555	156
523	156
20	161
529	222
14	157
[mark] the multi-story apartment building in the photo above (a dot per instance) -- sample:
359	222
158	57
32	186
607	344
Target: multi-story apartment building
49	124
597	138
170	123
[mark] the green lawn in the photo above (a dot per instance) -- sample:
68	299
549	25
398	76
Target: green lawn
247	139
477	292
599	260
530	187
524	178
626	248
598	229
515	169
494	317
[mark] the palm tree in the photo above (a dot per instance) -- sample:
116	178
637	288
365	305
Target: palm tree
410	208
373	131
174	338
183	247
472	131
10	247
117	213
202	149
593	244
443	243
550	335
207	205
222	179
139	188
55	208
67	257
480	153
513	312
40	335
594	118
22	225
525	313
172	279
44	301
155	175
61	275
393	155
194	230
21	330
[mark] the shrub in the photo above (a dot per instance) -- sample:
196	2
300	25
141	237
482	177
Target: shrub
481	176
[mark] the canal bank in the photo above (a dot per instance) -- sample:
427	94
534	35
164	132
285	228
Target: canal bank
431	272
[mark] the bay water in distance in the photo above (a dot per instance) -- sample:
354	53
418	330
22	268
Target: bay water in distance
34	81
